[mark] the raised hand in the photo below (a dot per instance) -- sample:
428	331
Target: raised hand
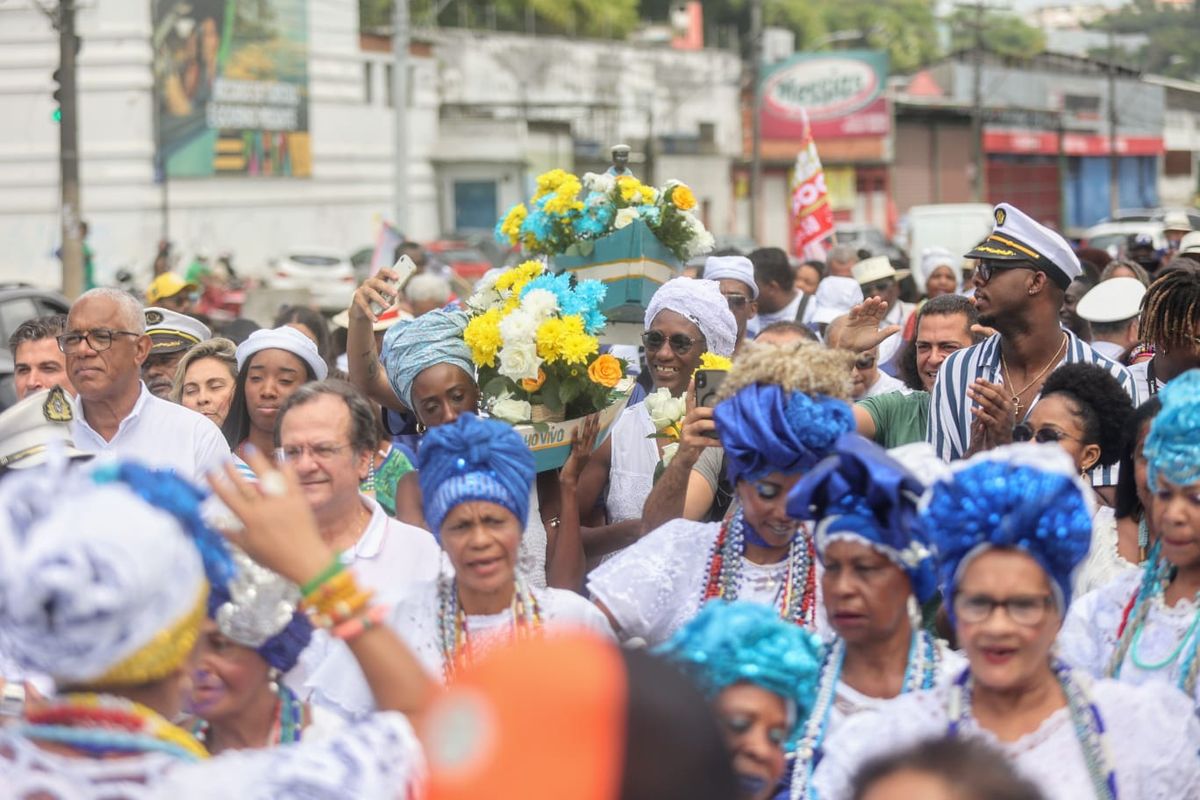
860	331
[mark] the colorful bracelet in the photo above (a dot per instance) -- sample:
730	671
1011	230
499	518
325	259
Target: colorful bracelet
359	625
334	568
339	587
333	614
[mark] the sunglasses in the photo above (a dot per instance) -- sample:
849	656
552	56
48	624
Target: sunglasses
1024	432
864	362
681	343
736	300
869	289
987	269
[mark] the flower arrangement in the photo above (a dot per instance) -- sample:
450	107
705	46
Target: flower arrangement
566	213
667	411
532	336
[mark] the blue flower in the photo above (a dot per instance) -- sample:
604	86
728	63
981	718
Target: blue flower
651	215
585	297
559	285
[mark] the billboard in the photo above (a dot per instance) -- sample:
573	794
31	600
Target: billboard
231	87
841	92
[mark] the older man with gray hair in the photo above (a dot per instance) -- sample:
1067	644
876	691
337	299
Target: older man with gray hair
105	344
841	260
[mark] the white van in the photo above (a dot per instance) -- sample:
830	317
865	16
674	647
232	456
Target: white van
958	227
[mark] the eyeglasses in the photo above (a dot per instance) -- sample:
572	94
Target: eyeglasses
987	269
681	343
1024	432
320	452
99	340
736	300
869	289
864	362
1027	610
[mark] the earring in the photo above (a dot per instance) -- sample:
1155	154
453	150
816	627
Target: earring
914	613
273	680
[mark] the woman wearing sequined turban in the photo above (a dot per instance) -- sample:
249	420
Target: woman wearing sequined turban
879	571
1009	527
783	407
1145	626
760	675
104	578
475	480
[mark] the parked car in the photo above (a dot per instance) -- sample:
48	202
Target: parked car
19	302
467	262
327	275
1111	236
868	237
1154	215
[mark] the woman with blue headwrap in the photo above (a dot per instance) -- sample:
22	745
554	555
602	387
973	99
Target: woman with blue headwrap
783	407
1010	527
475	481
879	565
760	674
1144	626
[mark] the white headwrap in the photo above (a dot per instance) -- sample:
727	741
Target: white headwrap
89	573
934	257
735	268
283	338
702	303
835	296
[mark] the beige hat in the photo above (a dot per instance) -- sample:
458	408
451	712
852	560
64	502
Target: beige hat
33	427
1113	300
1176	221
384	321
876	268
1190	243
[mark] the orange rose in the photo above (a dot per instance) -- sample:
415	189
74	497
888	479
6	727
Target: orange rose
683	198
606	371
533	384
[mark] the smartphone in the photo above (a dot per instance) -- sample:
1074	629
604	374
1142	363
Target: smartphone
708	386
404	268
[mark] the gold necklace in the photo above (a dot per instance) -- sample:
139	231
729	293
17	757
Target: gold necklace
1016	396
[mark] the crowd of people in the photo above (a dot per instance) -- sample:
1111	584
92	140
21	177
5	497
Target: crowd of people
947	548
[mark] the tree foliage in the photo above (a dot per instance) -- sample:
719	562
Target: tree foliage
1171	35
591	18
1003	33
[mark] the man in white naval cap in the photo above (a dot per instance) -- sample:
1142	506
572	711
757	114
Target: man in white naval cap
171	335
983	390
34	428
1112	307
735	275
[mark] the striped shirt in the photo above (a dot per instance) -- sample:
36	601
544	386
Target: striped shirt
950	415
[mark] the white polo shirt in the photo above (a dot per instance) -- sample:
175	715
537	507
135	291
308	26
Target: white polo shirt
159	434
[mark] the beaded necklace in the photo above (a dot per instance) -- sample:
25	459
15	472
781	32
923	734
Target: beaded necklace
924	662
103	725
452	622
724	574
287	728
1085	718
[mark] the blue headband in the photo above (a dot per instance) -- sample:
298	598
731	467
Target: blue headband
735	642
764	429
860	492
412	346
1173	447
993	503
474	459
282	650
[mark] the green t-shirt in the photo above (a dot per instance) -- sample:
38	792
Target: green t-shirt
899	418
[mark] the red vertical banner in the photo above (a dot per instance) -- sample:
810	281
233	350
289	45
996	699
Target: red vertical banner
811	212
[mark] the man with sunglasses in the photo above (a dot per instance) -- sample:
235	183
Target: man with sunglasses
984	390
878	278
105	345
735	276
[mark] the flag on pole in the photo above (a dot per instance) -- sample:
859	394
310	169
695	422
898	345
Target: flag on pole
811	213
386	242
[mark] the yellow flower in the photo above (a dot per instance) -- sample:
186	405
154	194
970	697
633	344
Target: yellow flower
629	187
482	335
710	360
511	227
533	384
514	280
648	194
548	182
549	338
606	371
576	346
565	197
683	198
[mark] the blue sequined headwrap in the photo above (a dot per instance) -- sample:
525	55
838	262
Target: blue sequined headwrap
765	429
1172	449
744	642
1021	496
280	651
474	459
860	492
413	345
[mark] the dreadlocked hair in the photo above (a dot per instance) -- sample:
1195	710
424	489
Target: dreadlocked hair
1171	310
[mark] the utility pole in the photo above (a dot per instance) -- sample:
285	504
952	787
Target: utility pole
68	152
977	155
756	58
1114	161
400	41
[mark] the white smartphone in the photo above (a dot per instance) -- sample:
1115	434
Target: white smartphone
404	268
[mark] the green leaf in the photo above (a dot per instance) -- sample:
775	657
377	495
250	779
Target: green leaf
498	386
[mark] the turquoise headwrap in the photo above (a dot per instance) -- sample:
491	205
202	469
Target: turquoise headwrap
1173	447
474	459
744	642
412	346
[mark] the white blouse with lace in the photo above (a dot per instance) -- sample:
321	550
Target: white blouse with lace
1088	639
376	758
1104	562
631	469
339	685
653	587
1151	736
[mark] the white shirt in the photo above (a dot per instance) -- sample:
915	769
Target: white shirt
786	314
159	434
1141	378
886	384
1108	349
891	347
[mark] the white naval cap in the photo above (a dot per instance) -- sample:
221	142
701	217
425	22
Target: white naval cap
170	331
1017	237
736	268
34	427
1113	300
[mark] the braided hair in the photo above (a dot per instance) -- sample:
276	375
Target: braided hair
1171	309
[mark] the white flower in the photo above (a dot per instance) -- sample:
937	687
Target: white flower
485	294
509	409
539	304
519	361
603	183
518	329
668	453
664	409
624	217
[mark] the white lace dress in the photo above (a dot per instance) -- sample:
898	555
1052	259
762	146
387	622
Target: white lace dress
376	758
1151	736
1088	639
631	470
653	587
531	552
339	685
1103	562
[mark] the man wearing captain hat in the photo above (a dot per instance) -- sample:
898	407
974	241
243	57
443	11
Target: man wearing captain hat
878	278
983	390
34	427
171	335
1112	307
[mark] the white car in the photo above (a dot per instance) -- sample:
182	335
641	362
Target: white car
327	275
1111	236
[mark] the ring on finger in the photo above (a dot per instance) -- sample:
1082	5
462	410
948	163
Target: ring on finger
273	484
